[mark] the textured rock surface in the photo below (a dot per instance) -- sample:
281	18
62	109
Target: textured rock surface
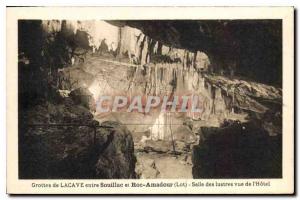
164	166
116	159
238	46
237	150
83	97
246	94
146	168
73	151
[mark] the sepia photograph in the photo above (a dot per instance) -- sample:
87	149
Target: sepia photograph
232	66
150	99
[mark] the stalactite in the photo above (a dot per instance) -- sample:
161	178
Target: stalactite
233	99
159	48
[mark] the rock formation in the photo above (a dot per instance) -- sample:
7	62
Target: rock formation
237	150
77	147
65	65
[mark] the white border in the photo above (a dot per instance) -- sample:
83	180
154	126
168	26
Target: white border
279	186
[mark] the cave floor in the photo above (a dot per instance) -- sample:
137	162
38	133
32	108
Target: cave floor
164	166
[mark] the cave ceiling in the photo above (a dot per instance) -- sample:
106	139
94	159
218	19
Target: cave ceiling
254	46
206	35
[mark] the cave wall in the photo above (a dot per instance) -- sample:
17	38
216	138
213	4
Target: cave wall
237	150
77	147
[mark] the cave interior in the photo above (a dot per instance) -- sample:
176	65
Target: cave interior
234	66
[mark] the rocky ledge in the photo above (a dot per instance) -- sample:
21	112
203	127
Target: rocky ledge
237	150
72	145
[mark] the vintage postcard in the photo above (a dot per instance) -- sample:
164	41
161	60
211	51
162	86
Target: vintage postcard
150	100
